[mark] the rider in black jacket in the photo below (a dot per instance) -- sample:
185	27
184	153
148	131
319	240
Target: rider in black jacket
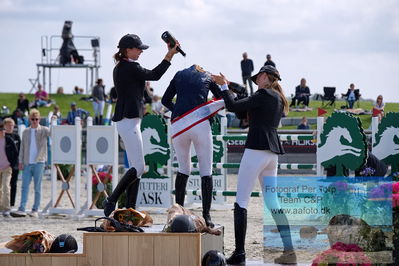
129	81
260	160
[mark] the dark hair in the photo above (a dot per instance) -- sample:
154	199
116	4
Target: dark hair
121	54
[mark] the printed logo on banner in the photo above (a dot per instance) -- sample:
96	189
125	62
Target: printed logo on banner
194	183
155	186
342	143
386	146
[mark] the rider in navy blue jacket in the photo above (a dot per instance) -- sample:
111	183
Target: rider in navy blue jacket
192	86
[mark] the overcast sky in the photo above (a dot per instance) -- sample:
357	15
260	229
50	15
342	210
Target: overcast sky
330	43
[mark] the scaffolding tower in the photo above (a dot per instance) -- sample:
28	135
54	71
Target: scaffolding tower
50	52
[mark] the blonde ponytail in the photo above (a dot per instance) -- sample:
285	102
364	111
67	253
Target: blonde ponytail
276	86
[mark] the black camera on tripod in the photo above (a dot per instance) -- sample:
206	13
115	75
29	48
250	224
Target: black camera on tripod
68	50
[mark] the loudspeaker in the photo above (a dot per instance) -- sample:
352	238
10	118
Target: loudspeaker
95	43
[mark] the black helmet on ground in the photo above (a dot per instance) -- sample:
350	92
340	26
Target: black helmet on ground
213	258
64	243
271	70
182	224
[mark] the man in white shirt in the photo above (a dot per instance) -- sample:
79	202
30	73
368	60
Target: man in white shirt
32	156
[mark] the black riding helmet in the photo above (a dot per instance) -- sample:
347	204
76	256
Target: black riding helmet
213	258
132	41
64	243
269	70
182	224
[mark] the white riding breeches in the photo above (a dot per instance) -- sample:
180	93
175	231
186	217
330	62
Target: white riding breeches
130	132
201	136
257	164
98	108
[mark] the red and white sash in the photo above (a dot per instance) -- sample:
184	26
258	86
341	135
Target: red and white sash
195	116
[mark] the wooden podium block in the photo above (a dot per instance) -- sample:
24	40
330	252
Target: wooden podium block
149	248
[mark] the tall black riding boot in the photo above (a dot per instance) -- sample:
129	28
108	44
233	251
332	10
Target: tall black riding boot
207	194
180	188
100	122
95	120
131	194
240	229
110	202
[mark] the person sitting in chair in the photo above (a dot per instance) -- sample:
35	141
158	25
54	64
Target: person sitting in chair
351	95
304	123
302	93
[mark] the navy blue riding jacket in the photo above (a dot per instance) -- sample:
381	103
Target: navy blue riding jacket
191	88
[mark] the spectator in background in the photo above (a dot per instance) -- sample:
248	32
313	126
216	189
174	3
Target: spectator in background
304	123
247	66
351	95
379	106
41	97
19	118
302	93
57	113
9	129
76	90
8	160
60	90
156	106
22	103
76	112
98	95
230	116
32	157
269	61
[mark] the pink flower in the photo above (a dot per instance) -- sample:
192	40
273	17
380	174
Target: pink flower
344	255
395	187
102	176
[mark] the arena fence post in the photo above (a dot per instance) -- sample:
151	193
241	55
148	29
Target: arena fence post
101	149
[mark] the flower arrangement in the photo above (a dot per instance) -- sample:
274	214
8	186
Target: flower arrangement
367	171
104	178
33	242
341	254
